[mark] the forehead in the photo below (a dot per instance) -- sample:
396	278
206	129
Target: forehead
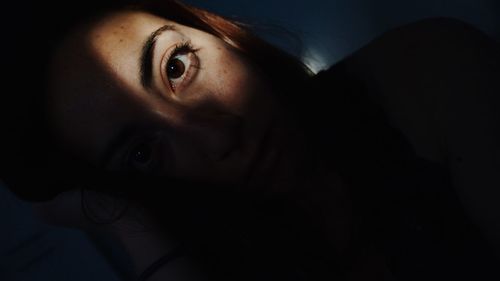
113	41
119	36
94	75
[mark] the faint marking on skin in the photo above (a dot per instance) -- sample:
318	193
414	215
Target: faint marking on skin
36	259
26	243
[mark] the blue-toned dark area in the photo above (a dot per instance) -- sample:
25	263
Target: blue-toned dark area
320	32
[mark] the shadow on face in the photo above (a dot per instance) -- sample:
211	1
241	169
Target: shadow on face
132	91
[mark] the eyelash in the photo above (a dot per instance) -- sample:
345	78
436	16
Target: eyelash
184	47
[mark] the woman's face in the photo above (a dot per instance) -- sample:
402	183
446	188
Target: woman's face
133	91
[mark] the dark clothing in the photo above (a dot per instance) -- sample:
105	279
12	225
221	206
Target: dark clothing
405	208
408	209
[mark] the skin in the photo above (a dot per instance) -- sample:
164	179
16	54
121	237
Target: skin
225	121
221	126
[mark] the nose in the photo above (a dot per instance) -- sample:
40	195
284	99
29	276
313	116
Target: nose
216	135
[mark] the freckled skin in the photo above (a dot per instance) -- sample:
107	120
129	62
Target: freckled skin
211	129
223	127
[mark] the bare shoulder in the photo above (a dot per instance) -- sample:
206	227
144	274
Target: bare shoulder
418	69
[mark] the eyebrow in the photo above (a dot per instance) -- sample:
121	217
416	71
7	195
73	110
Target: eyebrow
146	59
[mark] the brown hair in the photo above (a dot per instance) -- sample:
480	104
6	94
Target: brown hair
36	169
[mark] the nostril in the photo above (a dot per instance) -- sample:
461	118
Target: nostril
217	135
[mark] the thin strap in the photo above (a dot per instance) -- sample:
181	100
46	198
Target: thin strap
175	253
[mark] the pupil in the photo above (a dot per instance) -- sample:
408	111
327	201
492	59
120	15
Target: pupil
142	154
175	68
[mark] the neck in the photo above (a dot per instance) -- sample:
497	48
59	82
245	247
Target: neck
302	170
325	196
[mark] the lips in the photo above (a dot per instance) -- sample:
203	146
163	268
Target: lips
263	162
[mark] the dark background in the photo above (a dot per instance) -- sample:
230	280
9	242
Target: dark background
332	29
329	30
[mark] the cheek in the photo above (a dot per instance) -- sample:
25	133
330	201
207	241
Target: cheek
237	85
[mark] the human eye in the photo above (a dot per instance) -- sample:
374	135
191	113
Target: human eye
180	66
144	156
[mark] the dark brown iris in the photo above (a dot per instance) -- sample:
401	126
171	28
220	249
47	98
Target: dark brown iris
142	154
175	68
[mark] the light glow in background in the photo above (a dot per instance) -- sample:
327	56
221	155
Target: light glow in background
330	30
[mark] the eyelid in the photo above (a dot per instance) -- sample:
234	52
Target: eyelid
190	72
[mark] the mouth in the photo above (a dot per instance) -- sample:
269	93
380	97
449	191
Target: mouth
263	162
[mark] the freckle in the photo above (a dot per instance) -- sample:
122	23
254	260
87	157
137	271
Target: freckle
122	27
121	40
